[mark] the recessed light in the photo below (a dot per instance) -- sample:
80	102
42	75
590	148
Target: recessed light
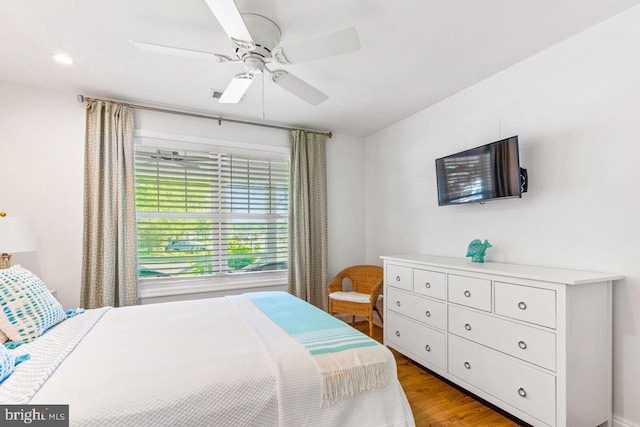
63	58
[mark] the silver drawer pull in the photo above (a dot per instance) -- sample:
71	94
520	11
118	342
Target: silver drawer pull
522	345
427	313
467	294
522	305
398	303
397	333
427	285
522	392
467	326
427	347
397	278
467	365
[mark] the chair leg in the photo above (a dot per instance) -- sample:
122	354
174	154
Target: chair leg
371	325
379	314
353	320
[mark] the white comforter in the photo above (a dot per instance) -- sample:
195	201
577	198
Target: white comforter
212	362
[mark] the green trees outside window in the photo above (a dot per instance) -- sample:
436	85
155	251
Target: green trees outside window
209	213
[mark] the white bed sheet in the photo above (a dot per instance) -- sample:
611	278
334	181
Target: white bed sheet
211	362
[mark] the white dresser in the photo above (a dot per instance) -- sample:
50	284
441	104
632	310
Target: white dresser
534	341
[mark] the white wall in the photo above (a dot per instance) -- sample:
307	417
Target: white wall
576	109
345	193
42	171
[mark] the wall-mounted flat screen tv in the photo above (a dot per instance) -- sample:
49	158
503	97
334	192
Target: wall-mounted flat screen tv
488	172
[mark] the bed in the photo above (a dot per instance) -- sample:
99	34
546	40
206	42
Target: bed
226	361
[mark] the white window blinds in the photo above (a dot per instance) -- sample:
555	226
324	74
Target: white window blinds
209	213
469	176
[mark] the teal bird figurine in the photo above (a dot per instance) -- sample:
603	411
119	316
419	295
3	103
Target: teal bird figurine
477	249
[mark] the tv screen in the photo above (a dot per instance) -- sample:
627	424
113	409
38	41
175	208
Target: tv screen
488	172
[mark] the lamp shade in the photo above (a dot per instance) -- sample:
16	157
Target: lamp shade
16	235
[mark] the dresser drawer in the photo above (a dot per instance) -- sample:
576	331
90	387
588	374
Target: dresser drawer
398	276
426	345
470	291
424	310
516	384
430	283
526	303
524	342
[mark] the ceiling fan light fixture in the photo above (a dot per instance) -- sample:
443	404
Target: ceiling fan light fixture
236	89
253	64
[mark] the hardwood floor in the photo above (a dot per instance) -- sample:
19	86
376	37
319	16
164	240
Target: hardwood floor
434	402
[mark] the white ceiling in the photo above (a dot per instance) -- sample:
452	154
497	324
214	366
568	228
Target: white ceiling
413	52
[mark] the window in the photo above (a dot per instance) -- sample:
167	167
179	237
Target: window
210	213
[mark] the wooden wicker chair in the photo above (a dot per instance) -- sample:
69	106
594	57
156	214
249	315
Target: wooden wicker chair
367	284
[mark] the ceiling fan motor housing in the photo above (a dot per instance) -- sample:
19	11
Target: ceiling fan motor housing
265	34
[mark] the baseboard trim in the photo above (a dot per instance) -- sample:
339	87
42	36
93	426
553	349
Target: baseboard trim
619	422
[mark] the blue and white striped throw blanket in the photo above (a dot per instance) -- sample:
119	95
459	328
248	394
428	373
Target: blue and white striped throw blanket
348	361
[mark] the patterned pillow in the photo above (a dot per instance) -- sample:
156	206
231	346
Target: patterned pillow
3	338
27	308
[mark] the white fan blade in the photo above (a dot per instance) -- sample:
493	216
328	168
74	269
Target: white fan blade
236	89
227	13
337	43
302	90
189	53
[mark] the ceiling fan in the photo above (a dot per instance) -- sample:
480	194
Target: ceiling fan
172	158
256	41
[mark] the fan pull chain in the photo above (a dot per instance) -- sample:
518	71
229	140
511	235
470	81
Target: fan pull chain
262	95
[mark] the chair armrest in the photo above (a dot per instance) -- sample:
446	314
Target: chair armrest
375	292
335	284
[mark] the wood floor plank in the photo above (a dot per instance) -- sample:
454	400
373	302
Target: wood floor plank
435	402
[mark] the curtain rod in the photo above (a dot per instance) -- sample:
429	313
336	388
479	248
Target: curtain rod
82	98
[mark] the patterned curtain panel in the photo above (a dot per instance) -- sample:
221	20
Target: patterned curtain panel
307	264
109	263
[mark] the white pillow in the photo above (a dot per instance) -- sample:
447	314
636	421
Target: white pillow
27	308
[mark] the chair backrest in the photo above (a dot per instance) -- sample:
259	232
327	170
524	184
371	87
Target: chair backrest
364	277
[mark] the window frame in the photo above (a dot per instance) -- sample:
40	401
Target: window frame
153	287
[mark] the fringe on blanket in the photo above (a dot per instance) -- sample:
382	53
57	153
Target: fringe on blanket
354	376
